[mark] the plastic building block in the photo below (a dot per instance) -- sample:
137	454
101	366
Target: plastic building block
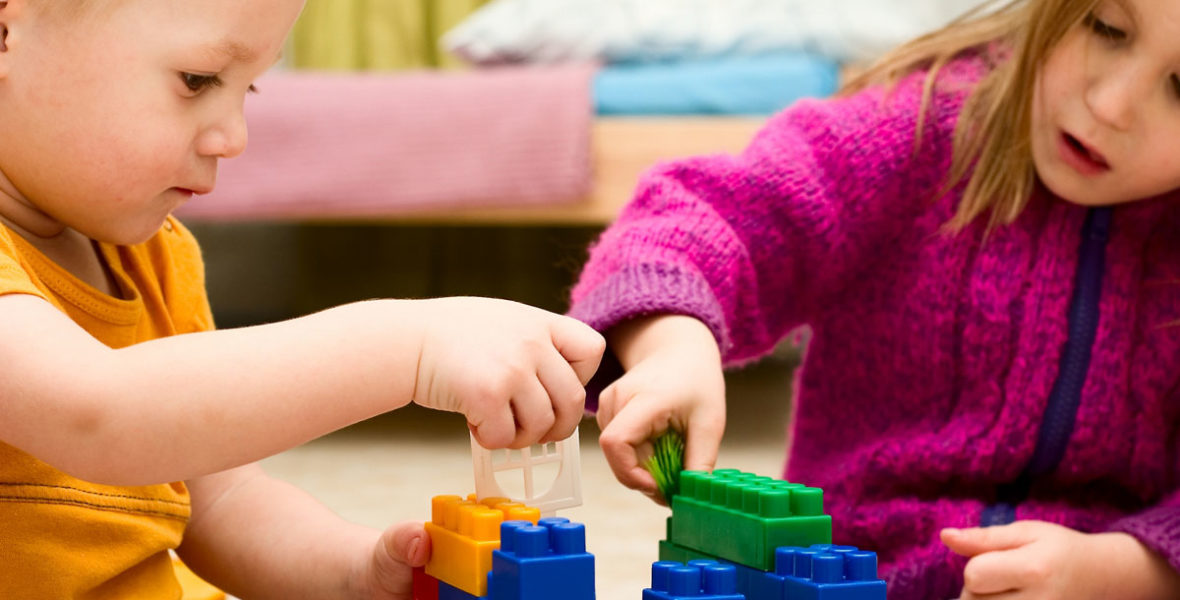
751	583
742	517
450	592
827	572
542	562
463	534
759	585
670	551
698	580
425	587
564	492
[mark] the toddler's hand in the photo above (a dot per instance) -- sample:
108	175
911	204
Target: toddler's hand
677	383
1044	561
517	372
389	573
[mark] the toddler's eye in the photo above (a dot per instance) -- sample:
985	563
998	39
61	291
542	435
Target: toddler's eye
1103	29
198	83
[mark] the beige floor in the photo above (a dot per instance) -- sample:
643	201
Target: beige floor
387	469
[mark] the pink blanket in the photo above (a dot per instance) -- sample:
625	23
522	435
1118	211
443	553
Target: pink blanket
369	145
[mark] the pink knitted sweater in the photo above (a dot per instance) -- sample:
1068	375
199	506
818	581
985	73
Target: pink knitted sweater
932	355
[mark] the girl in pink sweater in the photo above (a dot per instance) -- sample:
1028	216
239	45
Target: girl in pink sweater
983	235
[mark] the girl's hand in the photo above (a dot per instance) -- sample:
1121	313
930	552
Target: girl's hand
388	575
1035	559
673	379
518	373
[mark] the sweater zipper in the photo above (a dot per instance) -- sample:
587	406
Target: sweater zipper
1062	408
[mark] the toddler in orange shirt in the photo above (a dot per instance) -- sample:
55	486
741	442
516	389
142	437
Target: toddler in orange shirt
128	426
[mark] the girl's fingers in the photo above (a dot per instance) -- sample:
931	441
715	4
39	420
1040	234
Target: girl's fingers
976	540
611	401
1010	595
631	429
1003	571
703	439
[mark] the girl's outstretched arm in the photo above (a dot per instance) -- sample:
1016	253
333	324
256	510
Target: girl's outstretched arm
177	408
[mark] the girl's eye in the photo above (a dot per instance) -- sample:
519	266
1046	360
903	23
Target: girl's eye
198	83
1176	85
1100	27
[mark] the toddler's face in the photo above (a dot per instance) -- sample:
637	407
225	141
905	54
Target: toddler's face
112	120
1106	112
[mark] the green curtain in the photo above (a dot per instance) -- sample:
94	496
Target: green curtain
376	34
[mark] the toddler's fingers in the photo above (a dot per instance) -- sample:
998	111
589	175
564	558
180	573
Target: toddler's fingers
581	346
533	413
407	543
495	427
401	548
629	430
703	439
566	395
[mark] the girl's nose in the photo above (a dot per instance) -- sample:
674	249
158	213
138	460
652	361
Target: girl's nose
1114	96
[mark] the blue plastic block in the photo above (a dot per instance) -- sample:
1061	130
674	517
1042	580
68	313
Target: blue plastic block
542	562
759	585
698	580
827	572
450	592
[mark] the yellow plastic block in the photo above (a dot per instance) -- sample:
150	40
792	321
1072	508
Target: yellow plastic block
463	534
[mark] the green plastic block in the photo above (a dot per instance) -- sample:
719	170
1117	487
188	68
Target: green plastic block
671	551
742	517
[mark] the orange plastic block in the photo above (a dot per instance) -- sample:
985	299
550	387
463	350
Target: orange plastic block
463	534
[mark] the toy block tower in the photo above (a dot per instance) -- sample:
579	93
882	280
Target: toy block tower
774	533
540	558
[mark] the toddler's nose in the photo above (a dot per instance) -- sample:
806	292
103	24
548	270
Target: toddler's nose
226	139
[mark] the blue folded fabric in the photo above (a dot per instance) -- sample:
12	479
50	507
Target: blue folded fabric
756	85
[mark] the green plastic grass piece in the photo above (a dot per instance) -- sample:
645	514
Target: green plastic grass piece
666	462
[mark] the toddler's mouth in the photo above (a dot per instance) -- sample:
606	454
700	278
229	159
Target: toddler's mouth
193	191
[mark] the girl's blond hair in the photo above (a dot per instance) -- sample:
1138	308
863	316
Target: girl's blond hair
992	137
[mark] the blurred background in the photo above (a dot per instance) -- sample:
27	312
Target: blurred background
422	148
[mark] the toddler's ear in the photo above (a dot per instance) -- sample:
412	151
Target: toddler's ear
10	27
3	26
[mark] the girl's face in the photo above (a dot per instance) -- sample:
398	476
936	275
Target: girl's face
1106	109
112	119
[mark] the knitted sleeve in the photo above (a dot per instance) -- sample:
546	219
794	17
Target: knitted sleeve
753	245
1158	528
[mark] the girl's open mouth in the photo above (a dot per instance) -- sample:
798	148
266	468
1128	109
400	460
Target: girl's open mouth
1081	157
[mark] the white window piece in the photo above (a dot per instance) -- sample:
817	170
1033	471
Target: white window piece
565	491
